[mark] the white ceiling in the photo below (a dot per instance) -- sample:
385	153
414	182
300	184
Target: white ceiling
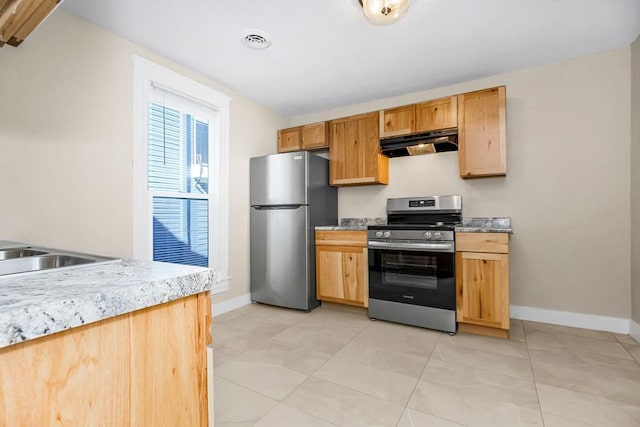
324	54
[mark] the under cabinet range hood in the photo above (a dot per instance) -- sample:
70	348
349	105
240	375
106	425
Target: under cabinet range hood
420	143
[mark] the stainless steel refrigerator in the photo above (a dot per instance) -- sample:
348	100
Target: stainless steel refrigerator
290	195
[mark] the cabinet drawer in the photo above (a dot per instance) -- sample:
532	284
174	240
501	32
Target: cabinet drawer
482	242
341	238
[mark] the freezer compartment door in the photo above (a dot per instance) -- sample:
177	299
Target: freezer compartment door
280	270
279	179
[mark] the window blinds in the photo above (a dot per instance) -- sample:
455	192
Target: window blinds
178	147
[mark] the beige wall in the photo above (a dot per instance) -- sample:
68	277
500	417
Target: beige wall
66	163
66	143
567	188
635	180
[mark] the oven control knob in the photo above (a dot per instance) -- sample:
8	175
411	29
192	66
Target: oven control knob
438	235
378	234
387	234
427	235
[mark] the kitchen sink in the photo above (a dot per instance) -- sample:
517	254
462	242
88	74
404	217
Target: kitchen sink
19	253
27	259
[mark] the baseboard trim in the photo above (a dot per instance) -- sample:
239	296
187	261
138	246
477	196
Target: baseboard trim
556	317
576	320
634	330
219	308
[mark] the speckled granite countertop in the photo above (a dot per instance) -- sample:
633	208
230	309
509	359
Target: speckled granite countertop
34	305
353	224
485	225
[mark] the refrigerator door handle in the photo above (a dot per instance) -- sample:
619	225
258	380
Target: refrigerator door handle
274	207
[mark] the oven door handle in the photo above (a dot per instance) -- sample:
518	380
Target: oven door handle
431	247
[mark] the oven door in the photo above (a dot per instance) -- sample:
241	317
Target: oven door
412	275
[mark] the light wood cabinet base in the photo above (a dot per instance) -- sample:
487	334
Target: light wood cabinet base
342	274
364	304
483	330
482	283
147	367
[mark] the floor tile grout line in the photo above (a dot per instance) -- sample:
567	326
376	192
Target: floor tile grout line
561	388
625	344
316	370
532	380
586	352
438	341
270	398
406	406
533	374
571	420
281	401
418	382
608	399
597	396
615	339
581	351
499	353
627	350
360	391
307	375
494	372
246	388
562	334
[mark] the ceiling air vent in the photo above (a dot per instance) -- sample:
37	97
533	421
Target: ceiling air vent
256	39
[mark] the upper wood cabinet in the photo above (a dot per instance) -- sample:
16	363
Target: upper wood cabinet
438	114
289	139
308	137
482	283
354	152
341	267
423	117
354	142
315	135
18	18
397	121
482	133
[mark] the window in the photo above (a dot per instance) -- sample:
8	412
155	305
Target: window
180	170
178	180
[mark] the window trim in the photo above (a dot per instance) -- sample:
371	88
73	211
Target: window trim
146	76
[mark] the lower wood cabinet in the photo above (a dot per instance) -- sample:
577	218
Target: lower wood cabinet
482	283
145	368
341	267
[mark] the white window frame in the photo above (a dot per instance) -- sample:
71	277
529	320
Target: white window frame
146	76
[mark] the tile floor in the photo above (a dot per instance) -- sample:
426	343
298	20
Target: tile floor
335	366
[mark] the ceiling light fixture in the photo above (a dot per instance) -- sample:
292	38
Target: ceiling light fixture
384	12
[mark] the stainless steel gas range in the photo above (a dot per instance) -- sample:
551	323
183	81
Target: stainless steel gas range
412	262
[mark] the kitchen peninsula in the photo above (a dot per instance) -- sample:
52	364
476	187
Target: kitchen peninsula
121	343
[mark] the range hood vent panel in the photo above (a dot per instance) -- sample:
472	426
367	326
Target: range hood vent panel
420	143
